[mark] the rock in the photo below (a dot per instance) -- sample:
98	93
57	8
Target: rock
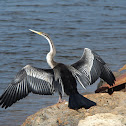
120	84
103	119
61	115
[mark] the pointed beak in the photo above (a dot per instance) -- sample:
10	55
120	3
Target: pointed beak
39	33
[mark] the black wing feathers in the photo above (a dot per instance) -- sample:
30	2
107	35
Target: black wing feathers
106	73
17	90
29	79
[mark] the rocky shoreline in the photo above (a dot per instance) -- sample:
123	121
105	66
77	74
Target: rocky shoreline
110	108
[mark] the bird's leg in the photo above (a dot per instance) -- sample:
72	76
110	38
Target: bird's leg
60	98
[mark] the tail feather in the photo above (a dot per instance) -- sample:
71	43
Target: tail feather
77	101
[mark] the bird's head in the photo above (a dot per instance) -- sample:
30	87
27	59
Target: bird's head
52	52
45	35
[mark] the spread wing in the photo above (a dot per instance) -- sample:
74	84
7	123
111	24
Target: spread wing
91	67
29	79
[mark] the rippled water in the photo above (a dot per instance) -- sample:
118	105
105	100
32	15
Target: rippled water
73	25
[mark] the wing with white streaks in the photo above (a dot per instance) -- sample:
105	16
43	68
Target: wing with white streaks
91	67
29	79
84	66
40	80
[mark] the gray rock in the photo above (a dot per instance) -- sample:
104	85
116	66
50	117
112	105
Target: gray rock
61	115
103	119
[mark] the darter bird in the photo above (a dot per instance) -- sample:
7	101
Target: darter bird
60	78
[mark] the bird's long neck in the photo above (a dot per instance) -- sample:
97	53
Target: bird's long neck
51	54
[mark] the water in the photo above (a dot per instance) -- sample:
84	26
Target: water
72	25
